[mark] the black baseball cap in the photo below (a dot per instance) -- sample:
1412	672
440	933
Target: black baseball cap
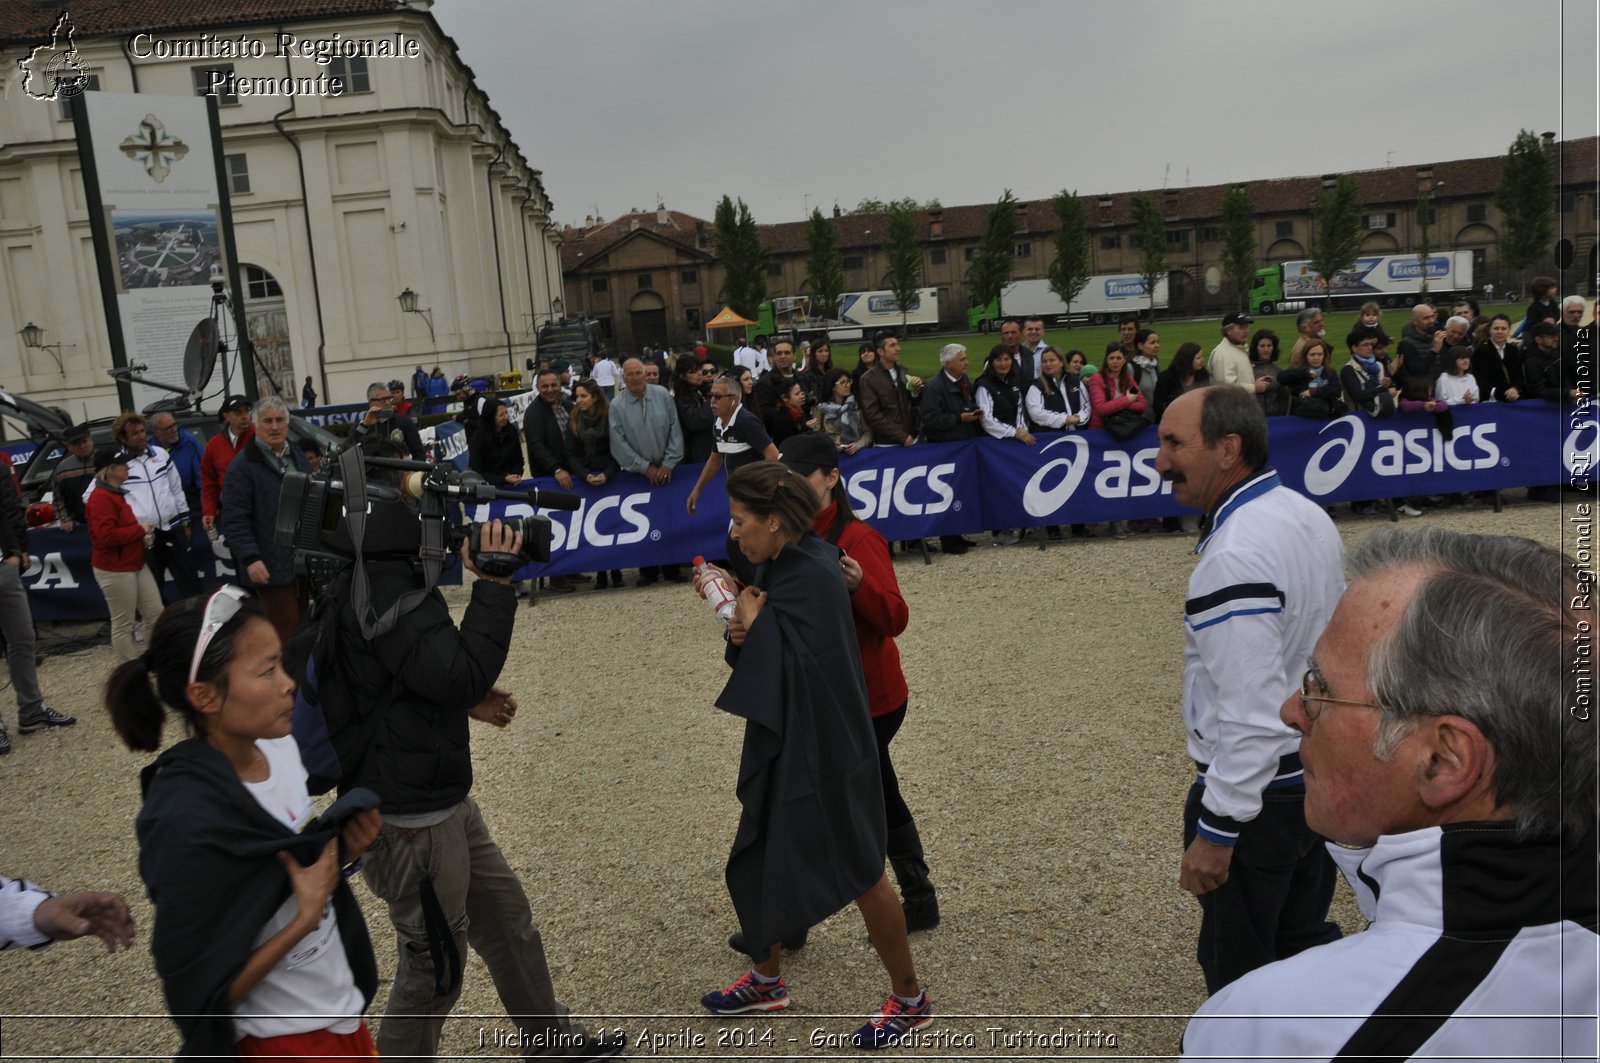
1547	328
110	454
1237	318
234	402
809	452
76	432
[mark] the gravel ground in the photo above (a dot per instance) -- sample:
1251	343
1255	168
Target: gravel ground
1045	766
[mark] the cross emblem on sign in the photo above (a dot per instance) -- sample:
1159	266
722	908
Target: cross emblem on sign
154	147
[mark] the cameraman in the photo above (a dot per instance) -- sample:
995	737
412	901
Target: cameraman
408	696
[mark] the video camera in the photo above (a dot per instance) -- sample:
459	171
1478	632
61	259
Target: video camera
337	517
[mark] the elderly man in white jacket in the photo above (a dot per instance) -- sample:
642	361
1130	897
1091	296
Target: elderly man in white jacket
1449	752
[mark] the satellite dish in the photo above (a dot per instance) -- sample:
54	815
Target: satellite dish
200	355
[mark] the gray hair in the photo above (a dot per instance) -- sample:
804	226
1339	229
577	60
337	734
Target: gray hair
377	389
1488	635
1304	317
949	353
270	404
1225	410
1572	300
1459	322
731	382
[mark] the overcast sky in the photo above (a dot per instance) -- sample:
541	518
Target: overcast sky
799	105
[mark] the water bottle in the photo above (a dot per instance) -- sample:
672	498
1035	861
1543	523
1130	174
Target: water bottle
715	589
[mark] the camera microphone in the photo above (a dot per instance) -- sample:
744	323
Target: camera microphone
546	499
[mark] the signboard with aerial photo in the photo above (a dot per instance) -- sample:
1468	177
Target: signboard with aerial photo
158	206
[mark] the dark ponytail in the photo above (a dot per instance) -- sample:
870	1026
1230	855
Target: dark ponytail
136	708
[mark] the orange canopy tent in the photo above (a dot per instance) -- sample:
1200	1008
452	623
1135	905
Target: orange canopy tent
728	319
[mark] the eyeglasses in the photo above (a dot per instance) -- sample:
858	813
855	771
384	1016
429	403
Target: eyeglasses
718	398
220	608
1307	697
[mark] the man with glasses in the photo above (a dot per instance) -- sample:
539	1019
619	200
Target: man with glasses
1458	785
1262	591
740	436
184	450
382	418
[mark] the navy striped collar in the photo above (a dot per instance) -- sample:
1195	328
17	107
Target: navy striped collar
1240	493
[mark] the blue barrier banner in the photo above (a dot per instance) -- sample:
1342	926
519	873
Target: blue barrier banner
960	488
909	493
450	443
60	578
1088	476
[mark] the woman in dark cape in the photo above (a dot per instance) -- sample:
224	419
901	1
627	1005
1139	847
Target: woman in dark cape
812	835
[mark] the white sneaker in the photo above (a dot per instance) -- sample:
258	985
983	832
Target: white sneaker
138	632
1410	511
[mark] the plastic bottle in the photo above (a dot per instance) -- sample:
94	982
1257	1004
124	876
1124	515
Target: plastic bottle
715	588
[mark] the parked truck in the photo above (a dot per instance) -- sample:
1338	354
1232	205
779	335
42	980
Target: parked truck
860	314
1385	279
1106	297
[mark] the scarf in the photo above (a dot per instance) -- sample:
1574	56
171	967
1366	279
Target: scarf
589	429
1369	366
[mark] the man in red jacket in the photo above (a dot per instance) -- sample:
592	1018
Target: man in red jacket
220	451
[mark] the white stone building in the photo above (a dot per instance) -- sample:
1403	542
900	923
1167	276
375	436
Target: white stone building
405	180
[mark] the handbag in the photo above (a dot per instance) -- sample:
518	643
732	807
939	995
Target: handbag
1125	424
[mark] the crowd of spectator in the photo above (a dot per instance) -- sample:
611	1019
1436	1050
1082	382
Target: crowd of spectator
700	413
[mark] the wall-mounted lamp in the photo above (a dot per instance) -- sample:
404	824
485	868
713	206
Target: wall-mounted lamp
33	338
408	304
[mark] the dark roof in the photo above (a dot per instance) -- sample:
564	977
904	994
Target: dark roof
580	246
30	21
1390	186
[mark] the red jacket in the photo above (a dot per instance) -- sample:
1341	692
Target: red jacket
220	451
1102	405
116	537
879	609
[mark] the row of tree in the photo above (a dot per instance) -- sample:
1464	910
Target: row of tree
1525	196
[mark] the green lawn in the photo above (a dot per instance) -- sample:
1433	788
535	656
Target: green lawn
920	354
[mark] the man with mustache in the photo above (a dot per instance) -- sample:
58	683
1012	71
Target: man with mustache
1269	575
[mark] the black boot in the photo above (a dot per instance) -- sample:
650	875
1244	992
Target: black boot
911	870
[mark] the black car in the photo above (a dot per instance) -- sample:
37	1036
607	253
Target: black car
46	426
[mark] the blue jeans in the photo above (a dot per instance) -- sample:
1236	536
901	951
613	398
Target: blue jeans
1275	902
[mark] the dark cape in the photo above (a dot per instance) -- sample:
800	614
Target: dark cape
208	858
812	834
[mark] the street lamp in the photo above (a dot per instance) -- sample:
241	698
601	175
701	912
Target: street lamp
408	304
33	338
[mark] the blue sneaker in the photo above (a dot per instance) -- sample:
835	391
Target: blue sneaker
747	994
895	1021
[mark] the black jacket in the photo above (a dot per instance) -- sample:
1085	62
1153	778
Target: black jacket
1368	394
1544	372
409	690
812	831
208	855
592	455
249	511
770	389
942	407
1169	386
495	453
544	430
697	421
1493	375
396	422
